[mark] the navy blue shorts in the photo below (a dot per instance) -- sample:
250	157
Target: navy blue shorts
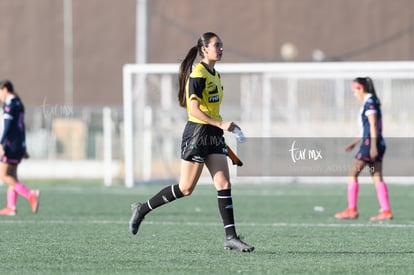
201	140
363	153
12	156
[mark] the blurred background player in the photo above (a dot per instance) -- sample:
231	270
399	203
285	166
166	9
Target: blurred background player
371	151
13	149
200	91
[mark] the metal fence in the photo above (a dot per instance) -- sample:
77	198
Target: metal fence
73	142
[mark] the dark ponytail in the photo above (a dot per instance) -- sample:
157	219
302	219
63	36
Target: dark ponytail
186	65
9	86
183	74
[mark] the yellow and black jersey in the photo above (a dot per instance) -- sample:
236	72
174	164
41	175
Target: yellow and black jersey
205	86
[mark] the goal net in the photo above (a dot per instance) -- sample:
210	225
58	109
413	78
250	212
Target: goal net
265	99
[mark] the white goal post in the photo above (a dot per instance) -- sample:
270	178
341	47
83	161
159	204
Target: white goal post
267	99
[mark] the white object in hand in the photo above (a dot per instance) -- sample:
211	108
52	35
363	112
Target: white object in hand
239	135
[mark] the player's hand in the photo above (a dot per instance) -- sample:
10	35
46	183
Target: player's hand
373	153
349	147
228	125
1	150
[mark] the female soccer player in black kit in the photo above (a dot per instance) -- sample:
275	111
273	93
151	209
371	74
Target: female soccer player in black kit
13	149
201	92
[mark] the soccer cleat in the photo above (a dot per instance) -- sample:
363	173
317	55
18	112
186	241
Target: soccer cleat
235	243
8	212
382	216
135	220
347	214
34	200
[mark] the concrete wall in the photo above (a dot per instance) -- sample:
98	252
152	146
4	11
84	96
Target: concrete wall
31	38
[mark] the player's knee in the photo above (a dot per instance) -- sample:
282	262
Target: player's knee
223	185
186	191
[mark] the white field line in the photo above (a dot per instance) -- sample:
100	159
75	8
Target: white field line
237	192
255	191
158	223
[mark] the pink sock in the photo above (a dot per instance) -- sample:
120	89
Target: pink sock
353	189
22	190
382	194
11	198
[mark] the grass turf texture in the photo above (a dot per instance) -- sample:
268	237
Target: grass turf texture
83	229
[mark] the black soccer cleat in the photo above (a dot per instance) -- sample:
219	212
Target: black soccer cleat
235	243
136	219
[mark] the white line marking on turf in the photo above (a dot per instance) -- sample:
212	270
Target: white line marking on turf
309	225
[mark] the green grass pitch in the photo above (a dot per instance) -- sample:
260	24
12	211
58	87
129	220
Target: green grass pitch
83	229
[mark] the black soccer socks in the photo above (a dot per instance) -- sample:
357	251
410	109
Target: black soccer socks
225	205
166	195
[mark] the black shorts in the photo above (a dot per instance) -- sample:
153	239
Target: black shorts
363	153
201	140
